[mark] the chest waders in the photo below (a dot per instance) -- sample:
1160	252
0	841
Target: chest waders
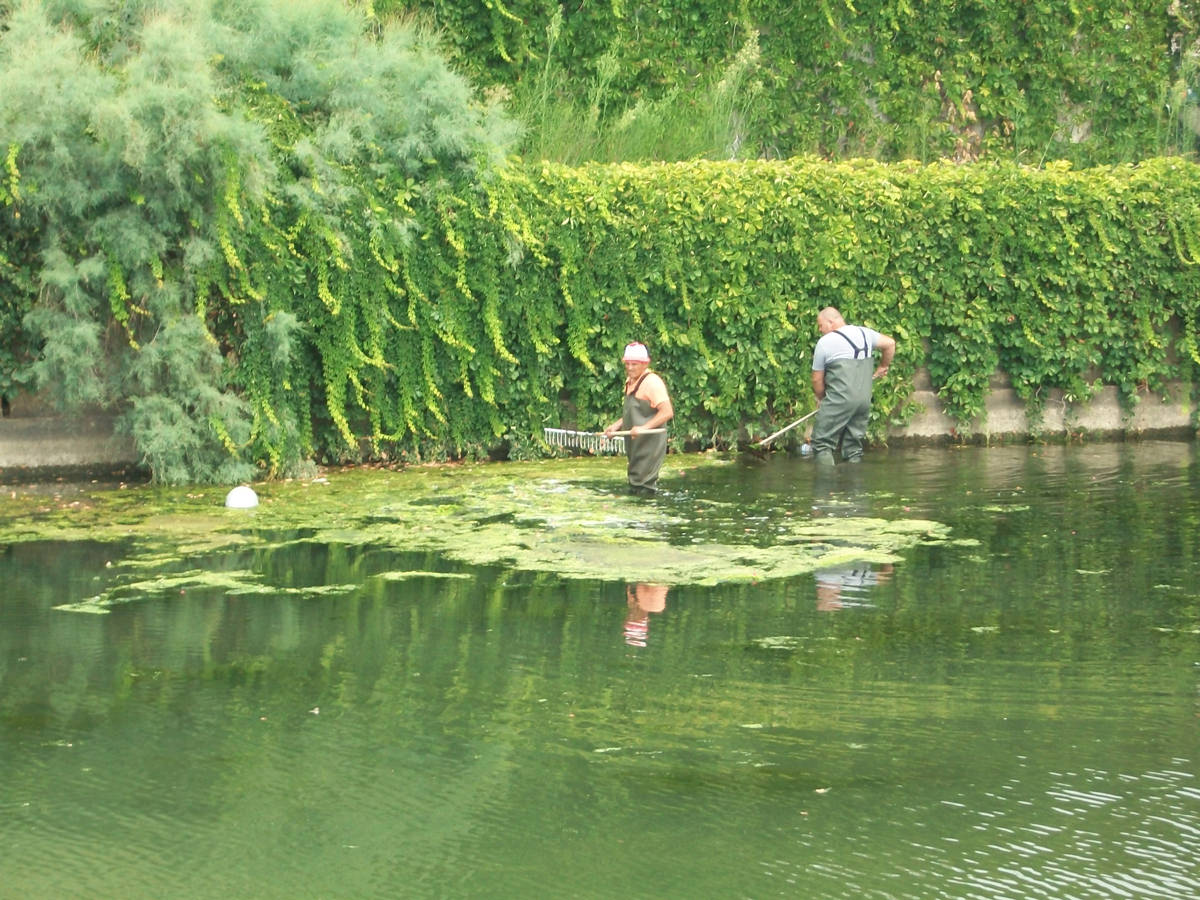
646	451
843	414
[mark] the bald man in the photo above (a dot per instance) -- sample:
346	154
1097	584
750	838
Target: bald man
843	371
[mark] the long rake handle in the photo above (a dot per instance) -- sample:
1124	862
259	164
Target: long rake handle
627	433
782	431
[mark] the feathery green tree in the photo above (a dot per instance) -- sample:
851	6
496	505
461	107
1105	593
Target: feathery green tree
180	174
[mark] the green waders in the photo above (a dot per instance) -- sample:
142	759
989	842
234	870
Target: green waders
843	414
646	451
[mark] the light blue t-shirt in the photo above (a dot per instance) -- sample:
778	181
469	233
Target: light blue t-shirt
841	344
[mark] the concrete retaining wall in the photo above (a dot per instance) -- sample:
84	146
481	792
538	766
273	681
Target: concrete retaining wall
32	446
34	442
1101	418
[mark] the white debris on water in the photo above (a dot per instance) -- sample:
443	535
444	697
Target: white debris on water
241	497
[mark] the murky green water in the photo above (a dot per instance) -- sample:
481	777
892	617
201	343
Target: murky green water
1013	712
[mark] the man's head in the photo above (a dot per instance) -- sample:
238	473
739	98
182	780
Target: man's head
636	359
829	319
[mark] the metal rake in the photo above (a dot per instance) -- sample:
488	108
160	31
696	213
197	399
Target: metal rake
591	441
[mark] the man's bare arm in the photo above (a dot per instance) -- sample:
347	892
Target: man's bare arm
887	349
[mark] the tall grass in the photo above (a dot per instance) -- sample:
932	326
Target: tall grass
715	118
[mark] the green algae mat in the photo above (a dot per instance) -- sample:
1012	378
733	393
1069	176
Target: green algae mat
571	518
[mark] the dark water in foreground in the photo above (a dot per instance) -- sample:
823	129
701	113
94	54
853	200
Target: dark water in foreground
1017	717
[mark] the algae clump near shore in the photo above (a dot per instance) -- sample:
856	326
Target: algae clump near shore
571	518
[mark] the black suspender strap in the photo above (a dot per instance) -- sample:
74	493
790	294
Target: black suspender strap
863	352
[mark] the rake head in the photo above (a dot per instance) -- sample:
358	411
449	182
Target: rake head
591	441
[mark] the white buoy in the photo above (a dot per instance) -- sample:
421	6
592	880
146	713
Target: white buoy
241	497
805	449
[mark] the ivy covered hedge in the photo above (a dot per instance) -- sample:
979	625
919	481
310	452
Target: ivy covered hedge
1063	279
507	309
504	306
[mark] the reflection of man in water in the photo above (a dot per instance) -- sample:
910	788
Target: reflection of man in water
643	599
840	491
850	585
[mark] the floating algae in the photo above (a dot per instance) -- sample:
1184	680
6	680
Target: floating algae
408	576
232	584
570	518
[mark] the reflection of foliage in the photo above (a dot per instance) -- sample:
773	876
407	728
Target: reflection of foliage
488	674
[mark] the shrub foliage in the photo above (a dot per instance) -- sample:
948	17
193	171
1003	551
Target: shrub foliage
275	232
177	173
1038	80
1062	279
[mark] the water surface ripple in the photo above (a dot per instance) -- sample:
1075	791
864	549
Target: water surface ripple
1011	713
